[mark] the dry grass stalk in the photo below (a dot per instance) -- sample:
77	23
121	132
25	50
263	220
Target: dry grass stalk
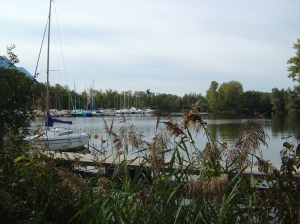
162	141
157	121
174	129
117	143
103	186
212	153
71	181
193	189
207	189
157	150
193	117
252	135
136	138
108	130
155	158
233	153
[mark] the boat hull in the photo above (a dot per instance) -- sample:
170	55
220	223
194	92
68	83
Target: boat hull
66	143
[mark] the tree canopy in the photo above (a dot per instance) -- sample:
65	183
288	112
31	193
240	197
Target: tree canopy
212	96
294	68
16	96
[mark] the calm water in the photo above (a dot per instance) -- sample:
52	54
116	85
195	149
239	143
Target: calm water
223	127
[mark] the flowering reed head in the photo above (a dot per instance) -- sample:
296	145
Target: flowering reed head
207	189
252	135
103	186
71	181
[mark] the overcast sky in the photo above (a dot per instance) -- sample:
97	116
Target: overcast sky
167	46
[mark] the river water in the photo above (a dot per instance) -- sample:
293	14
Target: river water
222	127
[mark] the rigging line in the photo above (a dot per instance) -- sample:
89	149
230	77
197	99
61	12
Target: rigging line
41	49
61	46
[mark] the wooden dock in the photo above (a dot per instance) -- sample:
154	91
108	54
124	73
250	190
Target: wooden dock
110	161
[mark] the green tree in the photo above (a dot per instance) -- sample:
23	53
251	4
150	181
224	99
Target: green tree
277	100
294	68
149	94
292	102
251	100
256	101
16	97
266	106
202	102
230	95
212	96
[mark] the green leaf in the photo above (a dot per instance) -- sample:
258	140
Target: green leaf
18	159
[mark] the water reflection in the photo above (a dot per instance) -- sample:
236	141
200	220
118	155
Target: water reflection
283	126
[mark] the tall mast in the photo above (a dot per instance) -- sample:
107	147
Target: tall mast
69	98
48	53
92	93
75	95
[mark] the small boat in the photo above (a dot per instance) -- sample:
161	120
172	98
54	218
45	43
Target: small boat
87	113
65	113
97	113
123	111
103	112
148	110
110	112
81	113
56	138
136	110
76	113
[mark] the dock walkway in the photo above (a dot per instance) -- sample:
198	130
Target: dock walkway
110	161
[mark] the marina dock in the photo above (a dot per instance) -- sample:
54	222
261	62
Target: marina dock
109	162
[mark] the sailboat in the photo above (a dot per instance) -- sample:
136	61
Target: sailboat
57	138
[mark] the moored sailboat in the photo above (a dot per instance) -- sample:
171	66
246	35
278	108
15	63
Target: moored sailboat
57	138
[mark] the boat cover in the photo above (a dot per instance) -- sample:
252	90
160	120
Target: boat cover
50	121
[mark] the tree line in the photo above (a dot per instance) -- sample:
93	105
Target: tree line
229	96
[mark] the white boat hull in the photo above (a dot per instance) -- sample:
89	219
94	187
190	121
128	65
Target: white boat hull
148	111
66	142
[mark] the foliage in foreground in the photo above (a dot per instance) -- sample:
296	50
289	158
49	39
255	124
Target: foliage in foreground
205	186
176	182
16	92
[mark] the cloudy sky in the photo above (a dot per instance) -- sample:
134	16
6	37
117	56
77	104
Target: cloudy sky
167	46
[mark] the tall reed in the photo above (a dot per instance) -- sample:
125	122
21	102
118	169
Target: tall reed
199	186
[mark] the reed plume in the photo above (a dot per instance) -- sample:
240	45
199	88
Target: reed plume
103	186
174	129
136	138
212	153
155	158
252	135
207	189
193	117
117	143
71	181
